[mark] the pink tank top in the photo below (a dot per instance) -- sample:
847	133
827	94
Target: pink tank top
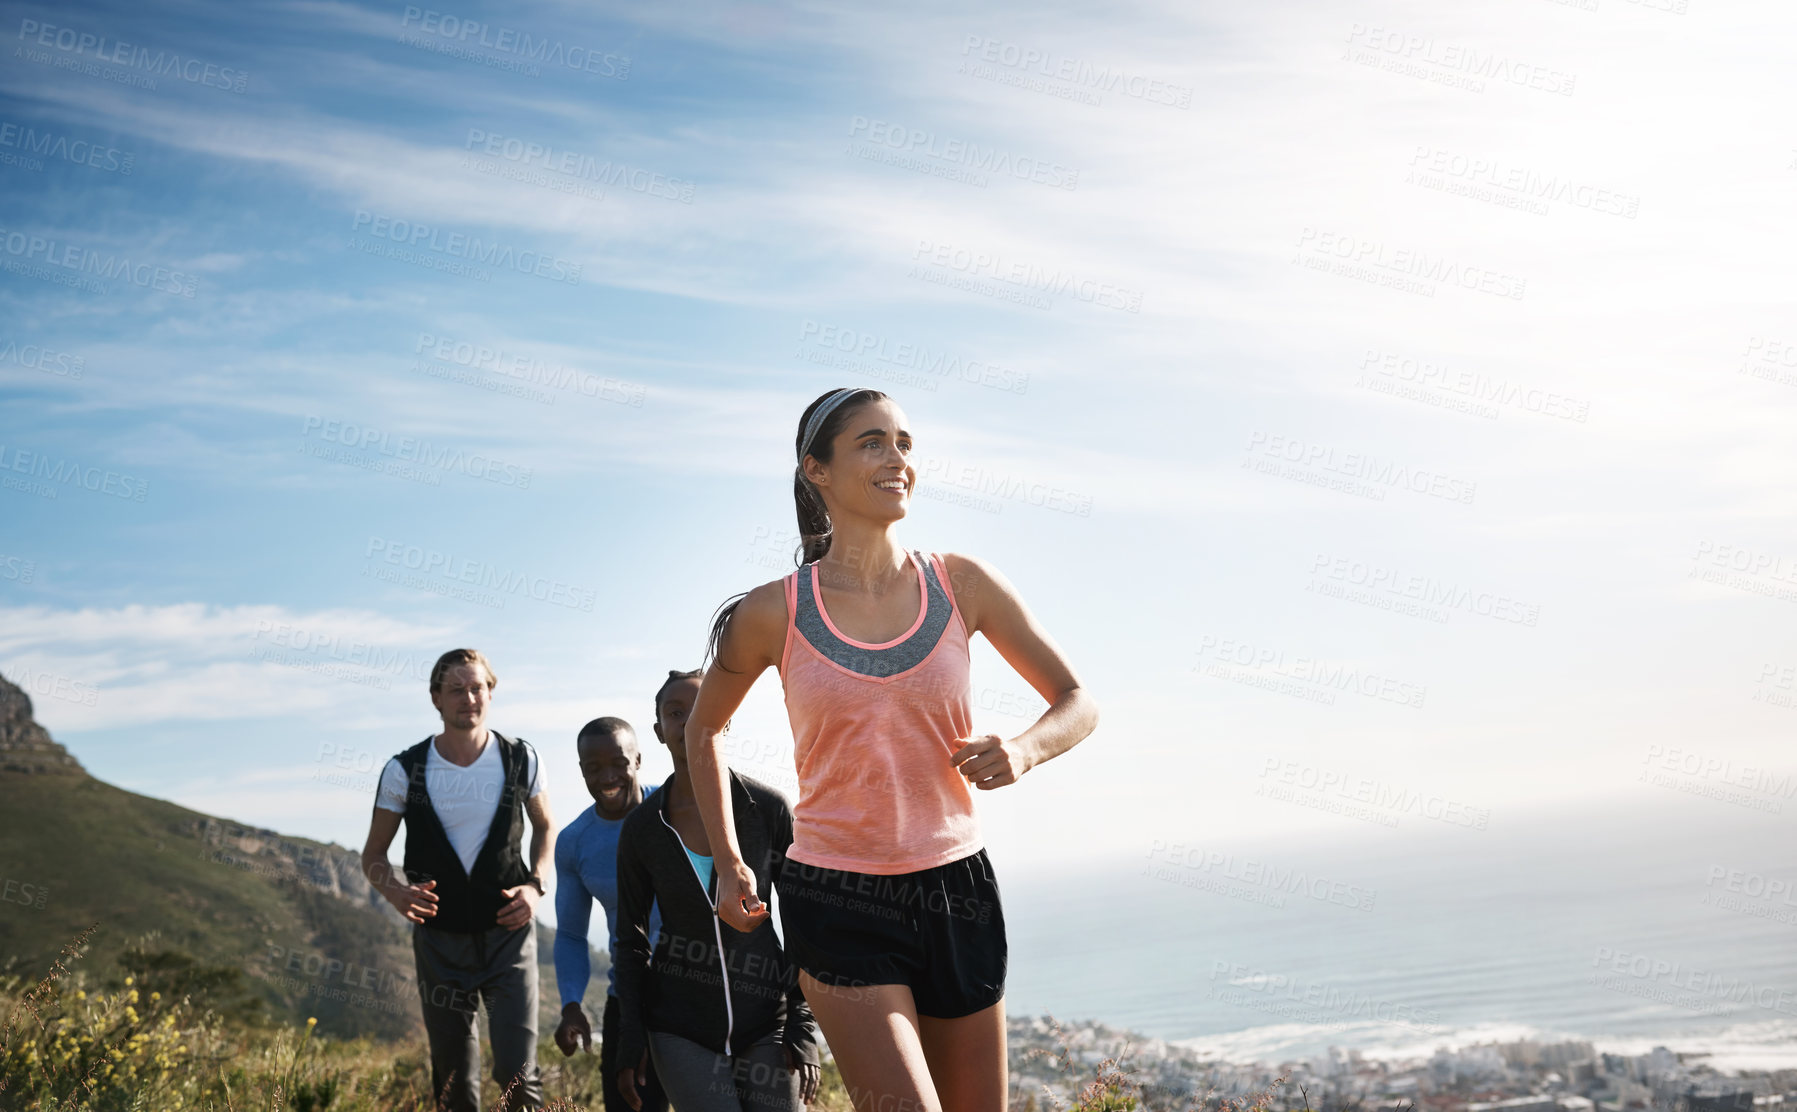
873	728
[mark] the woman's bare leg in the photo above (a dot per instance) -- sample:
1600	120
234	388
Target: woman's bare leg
873	1034
966	1057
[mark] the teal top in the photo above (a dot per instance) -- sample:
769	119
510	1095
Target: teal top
702	866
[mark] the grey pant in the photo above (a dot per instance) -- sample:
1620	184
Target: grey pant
456	973
697	1080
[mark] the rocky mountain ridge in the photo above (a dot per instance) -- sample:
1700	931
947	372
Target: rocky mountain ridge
26	746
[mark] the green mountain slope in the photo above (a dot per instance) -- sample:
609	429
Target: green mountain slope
293	915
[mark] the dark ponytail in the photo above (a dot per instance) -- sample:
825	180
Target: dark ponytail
814	517
808	501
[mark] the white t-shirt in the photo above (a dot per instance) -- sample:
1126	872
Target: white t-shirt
465	799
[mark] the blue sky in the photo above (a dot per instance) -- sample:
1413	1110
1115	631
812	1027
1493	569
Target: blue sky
1384	404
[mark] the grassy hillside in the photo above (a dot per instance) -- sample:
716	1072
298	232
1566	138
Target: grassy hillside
136	1048
258	916
164	878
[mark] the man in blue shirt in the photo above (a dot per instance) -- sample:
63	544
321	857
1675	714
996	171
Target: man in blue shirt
586	869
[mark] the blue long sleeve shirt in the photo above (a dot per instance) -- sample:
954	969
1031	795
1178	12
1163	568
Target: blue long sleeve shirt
586	869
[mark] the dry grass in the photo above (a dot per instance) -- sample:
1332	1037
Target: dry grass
65	1047
134	1049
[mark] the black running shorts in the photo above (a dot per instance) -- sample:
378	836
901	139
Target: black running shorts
941	931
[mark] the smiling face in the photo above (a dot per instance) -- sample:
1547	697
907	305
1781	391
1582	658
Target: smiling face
676	703
464	696
869	473
609	764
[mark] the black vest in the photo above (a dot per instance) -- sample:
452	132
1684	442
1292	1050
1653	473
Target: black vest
467	902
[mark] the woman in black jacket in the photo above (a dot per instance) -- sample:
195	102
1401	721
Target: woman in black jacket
719	1010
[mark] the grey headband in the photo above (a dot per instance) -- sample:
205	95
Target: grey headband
821	414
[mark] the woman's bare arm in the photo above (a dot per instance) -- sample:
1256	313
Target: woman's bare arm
752	643
991	606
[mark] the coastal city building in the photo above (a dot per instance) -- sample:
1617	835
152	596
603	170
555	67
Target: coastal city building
1052	1063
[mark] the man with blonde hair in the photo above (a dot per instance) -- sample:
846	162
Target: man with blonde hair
463	795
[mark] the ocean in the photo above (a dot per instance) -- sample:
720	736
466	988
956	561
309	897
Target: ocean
1630	930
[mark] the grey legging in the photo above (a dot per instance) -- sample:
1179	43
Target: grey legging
698	1080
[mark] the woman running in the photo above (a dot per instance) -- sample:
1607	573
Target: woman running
888	901
719	1012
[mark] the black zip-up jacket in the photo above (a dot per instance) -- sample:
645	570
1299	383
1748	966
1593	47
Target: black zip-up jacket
706	981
